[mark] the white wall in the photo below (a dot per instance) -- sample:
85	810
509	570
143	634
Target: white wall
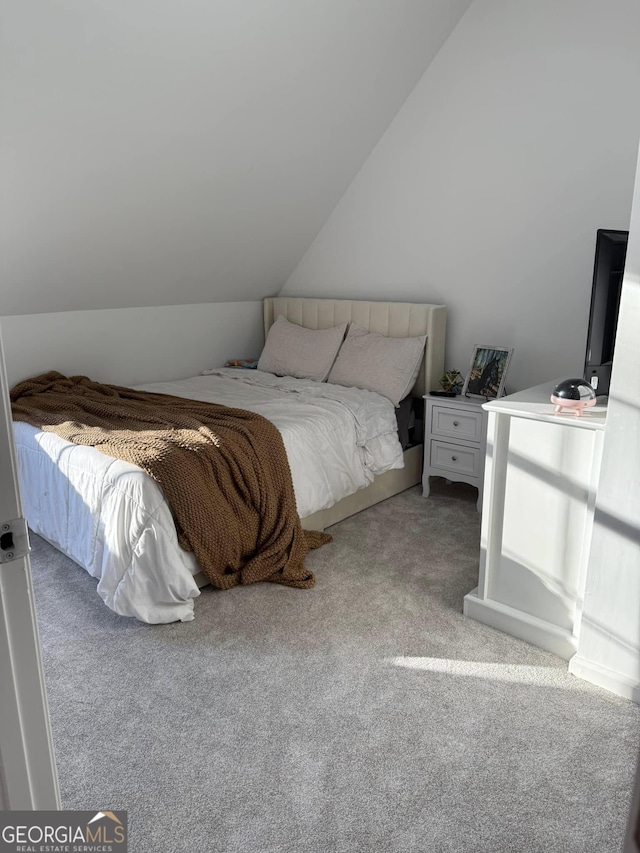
609	642
487	189
158	153
128	346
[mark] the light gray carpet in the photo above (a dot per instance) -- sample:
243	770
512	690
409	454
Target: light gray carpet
364	715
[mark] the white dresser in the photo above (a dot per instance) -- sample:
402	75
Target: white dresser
540	482
454	441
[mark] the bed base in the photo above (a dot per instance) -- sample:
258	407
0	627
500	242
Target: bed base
385	486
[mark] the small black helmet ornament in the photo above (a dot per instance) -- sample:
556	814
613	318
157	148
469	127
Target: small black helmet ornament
573	394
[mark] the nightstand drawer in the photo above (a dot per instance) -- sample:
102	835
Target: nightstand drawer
452	457
456	424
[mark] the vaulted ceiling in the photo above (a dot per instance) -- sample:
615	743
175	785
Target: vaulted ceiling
189	151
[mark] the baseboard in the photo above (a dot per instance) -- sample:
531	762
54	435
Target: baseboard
602	676
536	631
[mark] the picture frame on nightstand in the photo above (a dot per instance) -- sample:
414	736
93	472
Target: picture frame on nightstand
487	372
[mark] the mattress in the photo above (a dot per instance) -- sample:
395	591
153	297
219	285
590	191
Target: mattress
111	518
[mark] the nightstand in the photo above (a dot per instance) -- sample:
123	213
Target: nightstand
455	435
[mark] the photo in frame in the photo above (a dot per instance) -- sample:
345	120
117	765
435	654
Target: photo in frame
487	371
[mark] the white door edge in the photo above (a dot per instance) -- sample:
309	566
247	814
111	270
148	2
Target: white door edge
28	778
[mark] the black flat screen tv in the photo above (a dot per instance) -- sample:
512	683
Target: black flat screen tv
608	270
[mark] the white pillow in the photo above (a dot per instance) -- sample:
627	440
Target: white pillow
389	366
292	350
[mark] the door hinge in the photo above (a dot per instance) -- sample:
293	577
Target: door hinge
14	540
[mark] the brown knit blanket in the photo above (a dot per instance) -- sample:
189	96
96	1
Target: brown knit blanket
224	472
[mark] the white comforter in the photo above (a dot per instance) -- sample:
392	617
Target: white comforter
112	519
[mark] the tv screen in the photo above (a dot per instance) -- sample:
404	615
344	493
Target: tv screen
608	271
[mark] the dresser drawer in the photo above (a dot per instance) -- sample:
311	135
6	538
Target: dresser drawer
452	457
453	423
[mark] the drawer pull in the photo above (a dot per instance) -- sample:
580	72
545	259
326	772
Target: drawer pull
456	423
454	458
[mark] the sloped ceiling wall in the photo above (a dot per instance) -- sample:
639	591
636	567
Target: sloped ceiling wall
487	189
189	151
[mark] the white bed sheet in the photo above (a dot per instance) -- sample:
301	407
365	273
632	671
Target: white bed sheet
111	518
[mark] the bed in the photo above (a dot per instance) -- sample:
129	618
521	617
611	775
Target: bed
111	519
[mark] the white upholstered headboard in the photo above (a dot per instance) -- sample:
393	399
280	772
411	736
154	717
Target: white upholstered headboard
393	319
